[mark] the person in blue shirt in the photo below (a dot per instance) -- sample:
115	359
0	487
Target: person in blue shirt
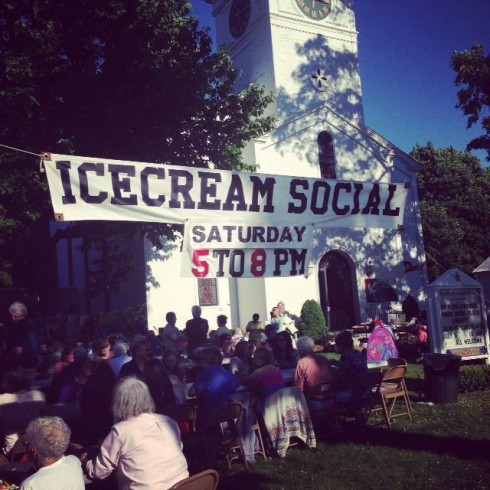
214	385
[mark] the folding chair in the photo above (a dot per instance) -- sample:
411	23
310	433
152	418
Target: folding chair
256	427
391	389
205	480
398	361
221	435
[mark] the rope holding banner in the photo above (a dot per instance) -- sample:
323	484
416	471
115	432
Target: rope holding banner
41	156
22	151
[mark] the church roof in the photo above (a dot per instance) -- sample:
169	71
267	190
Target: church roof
484	266
356	130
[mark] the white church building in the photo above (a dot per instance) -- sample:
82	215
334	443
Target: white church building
306	52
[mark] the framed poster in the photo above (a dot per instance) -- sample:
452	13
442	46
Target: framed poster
208	292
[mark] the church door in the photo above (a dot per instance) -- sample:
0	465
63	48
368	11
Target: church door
337	291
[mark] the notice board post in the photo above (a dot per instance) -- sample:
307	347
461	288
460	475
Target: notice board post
458	322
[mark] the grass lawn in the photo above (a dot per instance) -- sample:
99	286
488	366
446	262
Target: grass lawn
446	446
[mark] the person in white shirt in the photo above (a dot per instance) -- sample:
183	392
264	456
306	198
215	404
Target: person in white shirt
173	338
143	447
47	439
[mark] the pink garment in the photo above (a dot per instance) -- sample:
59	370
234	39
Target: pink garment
381	345
312	370
267	379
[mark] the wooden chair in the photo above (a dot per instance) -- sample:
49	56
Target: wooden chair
256	427
221	435
205	480
392	389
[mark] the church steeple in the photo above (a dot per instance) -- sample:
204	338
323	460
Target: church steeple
304	50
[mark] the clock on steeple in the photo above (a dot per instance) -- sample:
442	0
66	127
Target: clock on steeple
304	50
315	9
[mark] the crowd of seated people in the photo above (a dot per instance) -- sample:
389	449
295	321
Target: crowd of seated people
84	383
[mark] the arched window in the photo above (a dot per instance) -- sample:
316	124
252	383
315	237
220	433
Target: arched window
326	156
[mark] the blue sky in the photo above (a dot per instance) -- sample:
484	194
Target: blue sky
405	48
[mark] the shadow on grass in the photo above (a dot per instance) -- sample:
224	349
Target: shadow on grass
459	447
244	480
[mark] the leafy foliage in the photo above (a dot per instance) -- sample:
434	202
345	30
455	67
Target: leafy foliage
122	79
474	378
473	73
312	321
455	205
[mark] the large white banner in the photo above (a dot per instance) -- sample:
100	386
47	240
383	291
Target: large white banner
99	189
225	250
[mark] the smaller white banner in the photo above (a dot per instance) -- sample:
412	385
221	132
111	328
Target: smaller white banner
211	235
242	250
245	262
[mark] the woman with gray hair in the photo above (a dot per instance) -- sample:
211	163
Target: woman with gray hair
47	439
143	447
312	370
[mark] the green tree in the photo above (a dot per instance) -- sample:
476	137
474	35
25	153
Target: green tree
123	79
455	205
473	74
312	321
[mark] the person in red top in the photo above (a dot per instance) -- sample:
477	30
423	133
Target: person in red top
422	336
311	371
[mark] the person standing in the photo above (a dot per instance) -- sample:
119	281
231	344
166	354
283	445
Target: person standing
221	321
173	338
254	327
22	342
47	439
196	329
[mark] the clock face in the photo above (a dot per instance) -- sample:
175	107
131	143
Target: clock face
239	17
315	9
